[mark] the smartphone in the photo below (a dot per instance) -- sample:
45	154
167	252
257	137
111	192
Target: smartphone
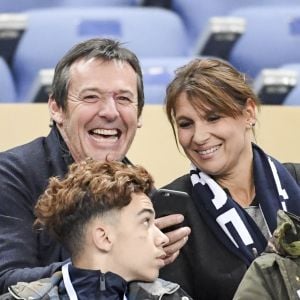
167	202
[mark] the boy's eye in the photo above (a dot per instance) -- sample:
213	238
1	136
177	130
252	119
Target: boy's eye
147	221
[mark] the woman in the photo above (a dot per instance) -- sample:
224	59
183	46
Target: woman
234	188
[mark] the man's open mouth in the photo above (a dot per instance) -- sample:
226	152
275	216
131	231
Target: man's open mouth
109	134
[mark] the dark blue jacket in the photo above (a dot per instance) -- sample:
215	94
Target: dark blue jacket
26	255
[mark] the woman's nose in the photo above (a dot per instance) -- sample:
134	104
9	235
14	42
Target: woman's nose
201	134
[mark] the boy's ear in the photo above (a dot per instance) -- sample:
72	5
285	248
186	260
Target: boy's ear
102	238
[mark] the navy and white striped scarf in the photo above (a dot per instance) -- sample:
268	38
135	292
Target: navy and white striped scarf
275	188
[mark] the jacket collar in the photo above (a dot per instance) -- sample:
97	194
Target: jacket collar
48	286
139	290
57	145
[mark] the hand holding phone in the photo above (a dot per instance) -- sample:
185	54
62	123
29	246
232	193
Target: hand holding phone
167	202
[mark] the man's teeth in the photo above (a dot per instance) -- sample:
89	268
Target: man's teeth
208	151
105	131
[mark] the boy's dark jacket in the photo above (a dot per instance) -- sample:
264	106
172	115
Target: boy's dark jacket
49	288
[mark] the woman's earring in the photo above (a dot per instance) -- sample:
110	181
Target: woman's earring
251	124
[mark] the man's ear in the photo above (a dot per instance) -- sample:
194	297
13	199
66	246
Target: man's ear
55	111
102	238
140	122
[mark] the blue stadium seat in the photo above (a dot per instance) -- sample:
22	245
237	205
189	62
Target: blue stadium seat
292	66
24	5
157	74
293	98
273	85
149	32
271	39
7	88
85	3
12	27
196	13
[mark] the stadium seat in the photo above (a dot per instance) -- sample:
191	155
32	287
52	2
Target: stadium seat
293	98
12	27
158	3
196	13
149	32
219	36
157	73
7	88
41	87
274	85
85	3
8	6
271	38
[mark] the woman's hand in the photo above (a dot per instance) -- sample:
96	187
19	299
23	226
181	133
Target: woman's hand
177	237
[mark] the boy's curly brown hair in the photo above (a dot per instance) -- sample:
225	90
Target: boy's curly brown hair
90	188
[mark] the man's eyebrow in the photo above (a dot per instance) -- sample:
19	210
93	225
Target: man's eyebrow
125	92
91	89
95	89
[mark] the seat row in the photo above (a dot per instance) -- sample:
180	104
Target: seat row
49	33
222	28
251	38
197	13
278	86
157	73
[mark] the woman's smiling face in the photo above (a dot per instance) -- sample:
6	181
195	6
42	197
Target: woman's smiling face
212	107
214	142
